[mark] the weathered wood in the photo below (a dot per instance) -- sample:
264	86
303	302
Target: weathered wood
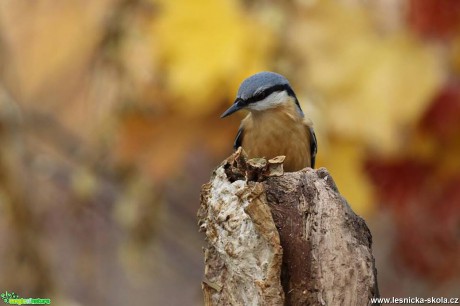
282	239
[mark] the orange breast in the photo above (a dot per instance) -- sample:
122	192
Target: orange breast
278	132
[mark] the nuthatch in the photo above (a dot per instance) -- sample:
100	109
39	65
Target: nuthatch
275	124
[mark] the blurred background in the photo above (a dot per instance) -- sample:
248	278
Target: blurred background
109	124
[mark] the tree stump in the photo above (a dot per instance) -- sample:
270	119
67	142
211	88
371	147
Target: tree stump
282	239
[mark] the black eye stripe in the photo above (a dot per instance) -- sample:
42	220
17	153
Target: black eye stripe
268	91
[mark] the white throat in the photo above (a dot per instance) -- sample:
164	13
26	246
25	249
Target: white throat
273	100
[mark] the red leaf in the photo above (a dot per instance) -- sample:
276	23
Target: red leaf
443	116
434	18
397	182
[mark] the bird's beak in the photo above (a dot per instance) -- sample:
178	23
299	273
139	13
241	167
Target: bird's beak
234	108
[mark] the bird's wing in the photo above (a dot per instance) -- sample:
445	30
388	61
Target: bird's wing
239	138
313	146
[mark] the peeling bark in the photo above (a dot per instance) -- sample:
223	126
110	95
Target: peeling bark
282	239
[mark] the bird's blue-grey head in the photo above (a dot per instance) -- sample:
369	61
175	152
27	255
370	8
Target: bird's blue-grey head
261	91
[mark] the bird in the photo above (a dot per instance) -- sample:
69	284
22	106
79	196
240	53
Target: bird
275	124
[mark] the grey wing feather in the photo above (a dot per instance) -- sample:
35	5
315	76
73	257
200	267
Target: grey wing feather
313	146
238	139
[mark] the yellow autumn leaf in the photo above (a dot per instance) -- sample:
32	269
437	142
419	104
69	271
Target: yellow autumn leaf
373	85
399	79
206	48
343	160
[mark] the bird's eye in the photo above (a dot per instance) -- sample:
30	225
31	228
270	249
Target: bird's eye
260	96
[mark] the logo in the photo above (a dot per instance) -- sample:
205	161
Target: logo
14	299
